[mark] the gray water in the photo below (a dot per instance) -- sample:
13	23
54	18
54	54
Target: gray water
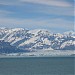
37	66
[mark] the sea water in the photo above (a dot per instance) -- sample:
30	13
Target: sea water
37	66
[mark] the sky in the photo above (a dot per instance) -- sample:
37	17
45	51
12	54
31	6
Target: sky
53	15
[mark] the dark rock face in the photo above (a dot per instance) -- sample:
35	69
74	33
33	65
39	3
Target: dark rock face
5	47
35	39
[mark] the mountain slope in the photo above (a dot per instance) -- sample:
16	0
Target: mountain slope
38	39
5	47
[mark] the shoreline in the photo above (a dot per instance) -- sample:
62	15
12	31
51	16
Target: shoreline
35	56
39	54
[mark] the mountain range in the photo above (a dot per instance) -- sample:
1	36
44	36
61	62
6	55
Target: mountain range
38	39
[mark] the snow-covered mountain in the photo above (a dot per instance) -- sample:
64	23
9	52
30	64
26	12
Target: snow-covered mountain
38	39
5	47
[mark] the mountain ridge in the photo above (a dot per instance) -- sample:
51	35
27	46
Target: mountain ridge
38	39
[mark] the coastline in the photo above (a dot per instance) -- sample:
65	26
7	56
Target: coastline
43	53
35	56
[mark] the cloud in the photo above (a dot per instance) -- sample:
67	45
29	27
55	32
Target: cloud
56	11
69	11
4	13
38	23
38	16
10	2
59	3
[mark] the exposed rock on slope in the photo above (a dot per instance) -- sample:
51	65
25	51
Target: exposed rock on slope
38	39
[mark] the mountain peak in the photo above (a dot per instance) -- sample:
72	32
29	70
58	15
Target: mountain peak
37	39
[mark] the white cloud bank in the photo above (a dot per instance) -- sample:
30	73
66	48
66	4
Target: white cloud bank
60	3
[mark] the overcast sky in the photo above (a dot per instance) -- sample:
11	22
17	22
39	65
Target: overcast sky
54	15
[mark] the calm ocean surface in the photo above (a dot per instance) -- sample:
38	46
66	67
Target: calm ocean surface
37	66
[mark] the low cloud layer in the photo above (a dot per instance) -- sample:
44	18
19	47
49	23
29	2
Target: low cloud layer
60	3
